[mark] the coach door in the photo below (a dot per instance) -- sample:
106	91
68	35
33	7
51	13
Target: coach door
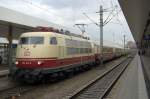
61	47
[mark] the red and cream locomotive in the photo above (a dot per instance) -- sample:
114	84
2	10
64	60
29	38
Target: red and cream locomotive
46	51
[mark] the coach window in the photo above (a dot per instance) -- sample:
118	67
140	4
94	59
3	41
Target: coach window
53	41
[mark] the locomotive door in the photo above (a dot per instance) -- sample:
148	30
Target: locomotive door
61	47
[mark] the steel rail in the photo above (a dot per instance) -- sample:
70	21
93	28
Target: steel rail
88	92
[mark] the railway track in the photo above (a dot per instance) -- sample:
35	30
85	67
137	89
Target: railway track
101	86
18	90
15	91
4	73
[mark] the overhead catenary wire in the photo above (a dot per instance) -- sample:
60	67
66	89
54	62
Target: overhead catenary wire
44	9
109	15
61	17
111	18
118	19
108	19
91	19
121	24
50	13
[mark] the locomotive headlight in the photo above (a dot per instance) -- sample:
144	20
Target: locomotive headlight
16	62
39	62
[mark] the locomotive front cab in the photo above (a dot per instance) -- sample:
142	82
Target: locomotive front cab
29	45
35	49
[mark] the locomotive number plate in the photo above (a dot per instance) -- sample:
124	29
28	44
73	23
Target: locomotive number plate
26	53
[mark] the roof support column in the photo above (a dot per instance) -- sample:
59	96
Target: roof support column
9	37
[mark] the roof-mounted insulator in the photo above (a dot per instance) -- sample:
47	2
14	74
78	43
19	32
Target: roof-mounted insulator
44	29
61	31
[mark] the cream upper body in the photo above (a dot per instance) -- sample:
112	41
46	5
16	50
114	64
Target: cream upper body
52	45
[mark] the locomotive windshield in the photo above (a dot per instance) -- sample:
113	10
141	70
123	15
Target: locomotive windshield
31	40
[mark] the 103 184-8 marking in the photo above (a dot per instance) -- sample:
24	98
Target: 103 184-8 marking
27	53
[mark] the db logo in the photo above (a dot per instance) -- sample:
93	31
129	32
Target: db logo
26	53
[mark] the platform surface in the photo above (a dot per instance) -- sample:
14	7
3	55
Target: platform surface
3	67
4	70
146	67
131	85
146	64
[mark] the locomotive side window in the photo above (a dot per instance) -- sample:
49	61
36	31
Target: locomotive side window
23	41
82	47
31	40
53	40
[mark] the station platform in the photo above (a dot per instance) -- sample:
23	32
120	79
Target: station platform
145	60
3	67
4	70
132	84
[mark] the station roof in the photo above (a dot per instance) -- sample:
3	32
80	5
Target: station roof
20	22
137	14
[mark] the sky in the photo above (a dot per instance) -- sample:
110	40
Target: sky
70	12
